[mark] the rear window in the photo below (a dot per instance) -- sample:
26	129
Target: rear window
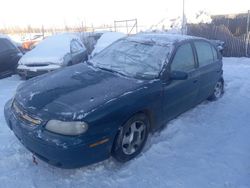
204	52
5	45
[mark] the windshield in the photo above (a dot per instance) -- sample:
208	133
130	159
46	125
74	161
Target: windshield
132	58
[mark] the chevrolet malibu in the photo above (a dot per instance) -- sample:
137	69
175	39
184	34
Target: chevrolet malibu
88	112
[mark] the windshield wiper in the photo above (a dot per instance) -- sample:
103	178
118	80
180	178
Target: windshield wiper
111	70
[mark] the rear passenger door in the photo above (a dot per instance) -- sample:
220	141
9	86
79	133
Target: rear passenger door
210	67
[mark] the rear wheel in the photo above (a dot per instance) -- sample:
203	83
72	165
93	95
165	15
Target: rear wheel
70	63
218	91
131	139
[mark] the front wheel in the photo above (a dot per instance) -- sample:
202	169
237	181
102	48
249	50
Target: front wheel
218	91
131	139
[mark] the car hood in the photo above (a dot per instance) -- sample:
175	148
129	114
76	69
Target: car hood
72	91
27	60
37	57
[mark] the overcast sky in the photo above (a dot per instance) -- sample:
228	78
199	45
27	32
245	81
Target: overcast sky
96	12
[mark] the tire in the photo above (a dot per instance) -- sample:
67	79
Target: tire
70	63
131	138
218	91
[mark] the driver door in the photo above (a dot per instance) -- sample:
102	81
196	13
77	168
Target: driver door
180	95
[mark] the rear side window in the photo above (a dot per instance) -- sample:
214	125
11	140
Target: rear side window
204	52
183	59
5	45
215	53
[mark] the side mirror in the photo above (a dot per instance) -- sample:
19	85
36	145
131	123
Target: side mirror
178	75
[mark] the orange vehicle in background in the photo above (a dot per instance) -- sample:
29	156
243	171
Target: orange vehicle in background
29	44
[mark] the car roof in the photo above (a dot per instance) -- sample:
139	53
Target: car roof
2	36
161	38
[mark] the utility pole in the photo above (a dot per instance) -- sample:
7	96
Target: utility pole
247	36
183	17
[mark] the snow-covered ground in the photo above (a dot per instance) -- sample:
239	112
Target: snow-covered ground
206	147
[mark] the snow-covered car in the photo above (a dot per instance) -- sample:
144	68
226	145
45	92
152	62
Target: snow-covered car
109	105
9	56
52	53
105	40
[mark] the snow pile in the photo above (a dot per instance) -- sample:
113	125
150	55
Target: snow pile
201	16
206	147
105	40
50	50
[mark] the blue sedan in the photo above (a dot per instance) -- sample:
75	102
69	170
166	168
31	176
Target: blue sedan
88	112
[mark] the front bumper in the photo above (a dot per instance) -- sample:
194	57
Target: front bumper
57	150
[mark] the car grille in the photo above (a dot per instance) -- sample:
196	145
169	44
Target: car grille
23	115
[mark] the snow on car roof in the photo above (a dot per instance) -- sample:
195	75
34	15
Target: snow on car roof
160	38
5	37
51	49
60	41
2	36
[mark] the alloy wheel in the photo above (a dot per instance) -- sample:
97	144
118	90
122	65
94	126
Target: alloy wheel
218	90
133	137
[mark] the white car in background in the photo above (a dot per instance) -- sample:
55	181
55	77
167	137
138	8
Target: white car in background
105	40
52	53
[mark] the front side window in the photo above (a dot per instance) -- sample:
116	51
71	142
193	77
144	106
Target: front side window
133	58
183	59
204	52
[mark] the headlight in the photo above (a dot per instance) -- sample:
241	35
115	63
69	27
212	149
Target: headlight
66	128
